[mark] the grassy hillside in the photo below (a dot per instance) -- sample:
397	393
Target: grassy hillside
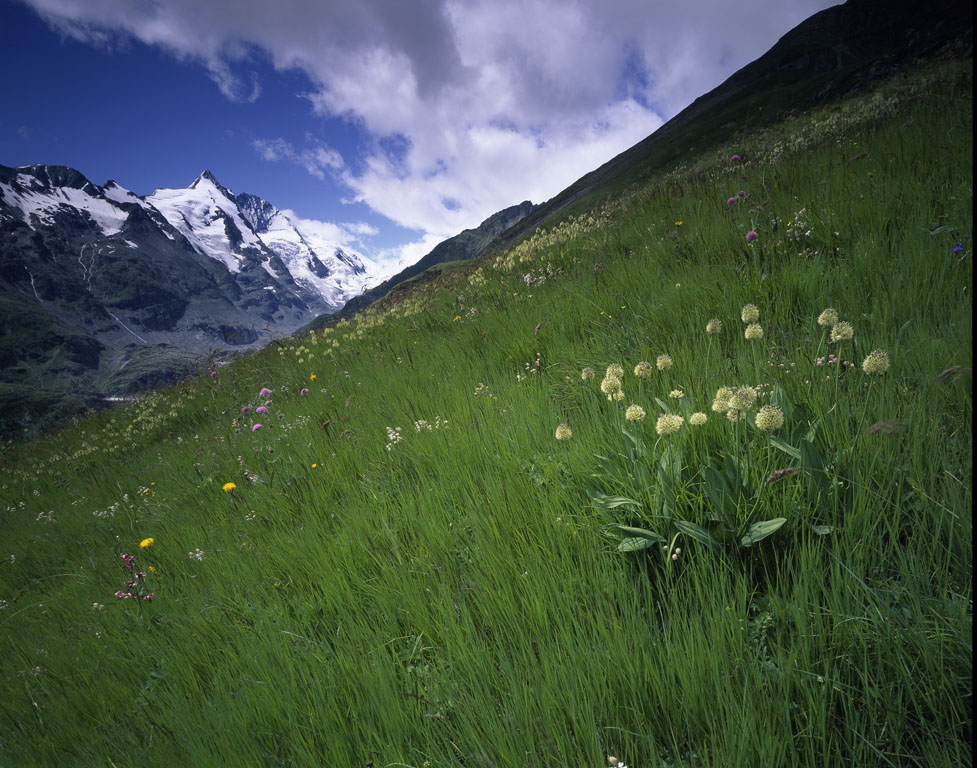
447	545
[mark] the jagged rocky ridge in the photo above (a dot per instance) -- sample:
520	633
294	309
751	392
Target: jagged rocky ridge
106	292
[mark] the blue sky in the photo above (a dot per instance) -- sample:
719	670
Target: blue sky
396	123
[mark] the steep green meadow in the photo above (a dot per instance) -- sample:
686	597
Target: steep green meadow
410	569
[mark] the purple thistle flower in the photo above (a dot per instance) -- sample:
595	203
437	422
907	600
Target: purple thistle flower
304	392
741	193
264	392
213	374
958	247
731	200
256	427
261	409
148	596
245	409
267	402
734	158
751	236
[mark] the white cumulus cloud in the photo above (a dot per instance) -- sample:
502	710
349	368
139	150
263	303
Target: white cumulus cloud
471	105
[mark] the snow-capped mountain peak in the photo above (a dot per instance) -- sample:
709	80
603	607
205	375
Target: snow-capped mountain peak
41	192
315	262
205	214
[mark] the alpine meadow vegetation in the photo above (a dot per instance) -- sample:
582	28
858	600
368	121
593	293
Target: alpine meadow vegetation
684	479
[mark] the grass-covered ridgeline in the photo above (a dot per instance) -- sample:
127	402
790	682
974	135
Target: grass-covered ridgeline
403	566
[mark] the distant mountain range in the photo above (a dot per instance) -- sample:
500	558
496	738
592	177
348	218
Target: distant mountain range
106	292
467	244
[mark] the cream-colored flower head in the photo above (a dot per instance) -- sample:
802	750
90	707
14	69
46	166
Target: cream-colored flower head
742	398
643	370
563	432
617	396
750	313
721	401
842	331
828	317
714	326
615	370
754	331
676	394
668	423
610	385
664	362
734	415
635	413
769	418
697	419
587	374
876	363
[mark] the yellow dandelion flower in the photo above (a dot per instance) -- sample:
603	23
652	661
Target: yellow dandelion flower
678	223
769	418
634	413
563	432
842	331
876	363
750	313
697	419
828	317
664	362
151	569
675	394
147	543
587	374
313	377
754	331
668	423
228	487
714	326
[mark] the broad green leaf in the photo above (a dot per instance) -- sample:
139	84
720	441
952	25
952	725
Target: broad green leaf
717	490
759	531
639	446
635	544
782	445
733	474
643	476
667	492
813	464
822	530
613	502
641	533
697	532
779	397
